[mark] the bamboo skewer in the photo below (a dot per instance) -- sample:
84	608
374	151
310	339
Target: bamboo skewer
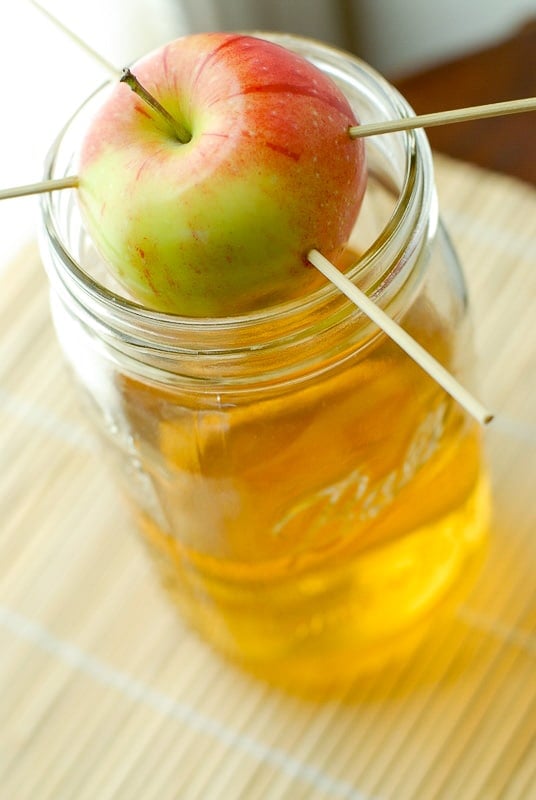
444	117
413	349
70	182
108	66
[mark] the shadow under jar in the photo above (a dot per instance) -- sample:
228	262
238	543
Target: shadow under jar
311	498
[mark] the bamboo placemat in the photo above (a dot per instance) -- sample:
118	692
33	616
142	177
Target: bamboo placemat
106	695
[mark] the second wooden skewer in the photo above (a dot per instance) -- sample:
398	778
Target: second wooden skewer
410	346
444	117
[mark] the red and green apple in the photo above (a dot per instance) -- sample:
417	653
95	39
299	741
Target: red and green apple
218	219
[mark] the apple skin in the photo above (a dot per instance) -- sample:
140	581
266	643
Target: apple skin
221	225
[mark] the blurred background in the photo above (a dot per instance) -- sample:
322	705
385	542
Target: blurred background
440	53
395	36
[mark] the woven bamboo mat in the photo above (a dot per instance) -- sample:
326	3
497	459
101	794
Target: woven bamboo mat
104	694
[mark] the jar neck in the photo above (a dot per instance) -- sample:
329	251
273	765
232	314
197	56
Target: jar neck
282	340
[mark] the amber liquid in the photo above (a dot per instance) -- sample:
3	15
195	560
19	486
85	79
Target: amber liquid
318	533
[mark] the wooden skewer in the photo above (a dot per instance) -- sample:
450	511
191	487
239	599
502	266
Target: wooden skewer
413	349
444	117
70	182
80	42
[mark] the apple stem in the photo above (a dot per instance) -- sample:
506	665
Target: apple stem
182	134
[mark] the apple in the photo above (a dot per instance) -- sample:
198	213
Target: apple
215	215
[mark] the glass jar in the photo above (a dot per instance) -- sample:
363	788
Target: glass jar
311	498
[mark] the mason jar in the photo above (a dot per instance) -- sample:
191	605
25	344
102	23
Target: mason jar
312	500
